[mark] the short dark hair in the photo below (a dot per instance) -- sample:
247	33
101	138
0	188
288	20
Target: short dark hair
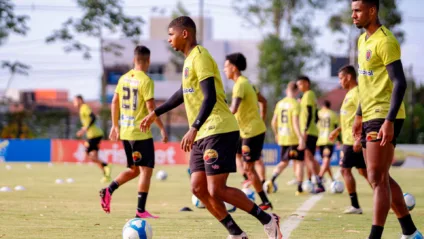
327	103
375	3
350	70
303	77
291	86
141	53
184	22
238	60
79	97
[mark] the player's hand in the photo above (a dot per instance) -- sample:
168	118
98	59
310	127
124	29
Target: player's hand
114	133
81	132
357	146
357	127
333	135
386	133
188	140
302	145
276	138
148	121
164	136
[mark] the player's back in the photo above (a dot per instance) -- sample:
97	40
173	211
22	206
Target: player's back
134	88
347	115
308	100
85	116
285	110
327	121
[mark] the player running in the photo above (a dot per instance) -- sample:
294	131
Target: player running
94	135
252	128
352	154
327	122
213	135
285	124
308	125
133	100
381	113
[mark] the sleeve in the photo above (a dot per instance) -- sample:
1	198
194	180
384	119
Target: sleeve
148	90
86	110
296	109
238	91
389	51
203	66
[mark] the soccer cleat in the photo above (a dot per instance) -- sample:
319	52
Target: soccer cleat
144	214
241	236
246	183
266	206
319	189
105	179
105	199
416	235
270	187
108	170
272	229
353	210
298	193
292	182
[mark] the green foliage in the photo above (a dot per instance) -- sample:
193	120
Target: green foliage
11	23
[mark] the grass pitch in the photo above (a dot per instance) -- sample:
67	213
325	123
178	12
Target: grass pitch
49	210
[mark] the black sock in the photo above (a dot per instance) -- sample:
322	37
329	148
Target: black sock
274	176
318	179
310	179
245	176
299	187
113	186
408	226
142	198
263	196
354	200
231	225
376	232
104	164
262	216
263	182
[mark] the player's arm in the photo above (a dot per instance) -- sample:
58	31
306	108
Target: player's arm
175	100
235	104
309	120
274	125
115	112
262	105
92	120
209	99
150	104
397	76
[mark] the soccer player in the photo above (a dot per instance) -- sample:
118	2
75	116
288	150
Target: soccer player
352	153
285	124
308	125
213	135
381	113
94	135
132	101
327	122
252	128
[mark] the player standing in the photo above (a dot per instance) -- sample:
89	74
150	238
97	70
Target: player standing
327	122
308	126
133	100
381	113
94	135
285	124
252	128
213	135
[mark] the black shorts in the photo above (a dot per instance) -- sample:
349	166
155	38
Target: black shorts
140	152
239	142
326	150
371	128
251	148
291	153
311	143
351	158
215	154
93	144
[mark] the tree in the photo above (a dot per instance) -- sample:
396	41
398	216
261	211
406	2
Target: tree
177	58
14	68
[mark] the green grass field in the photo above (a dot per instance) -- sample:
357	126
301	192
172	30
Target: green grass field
49	210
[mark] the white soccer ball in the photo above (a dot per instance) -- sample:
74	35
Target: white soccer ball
409	201
249	193
229	207
8	167
196	202
161	175
137	228
59	181
337	187
307	186
270	187
28	166
70	180
5	189
19	188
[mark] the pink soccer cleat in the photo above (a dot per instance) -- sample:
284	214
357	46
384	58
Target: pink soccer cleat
144	214
105	199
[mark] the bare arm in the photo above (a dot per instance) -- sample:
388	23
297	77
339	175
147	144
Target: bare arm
115	110
235	104
295	119
274	124
262	105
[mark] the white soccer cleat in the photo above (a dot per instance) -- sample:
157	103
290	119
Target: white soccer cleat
272	229
353	210
242	236
415	235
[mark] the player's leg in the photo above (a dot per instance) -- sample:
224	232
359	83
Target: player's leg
312	163
260	169
284	162
298	164
92	148
326	158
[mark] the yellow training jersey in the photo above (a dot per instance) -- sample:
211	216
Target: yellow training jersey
134	89
284	111
93	131
347	115
327	122
308	99
375	86
199	65
248	117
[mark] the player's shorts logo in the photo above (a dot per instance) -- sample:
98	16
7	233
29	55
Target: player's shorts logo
136	156
371	136
368	55
186	71
326	152
293	154
210	156
245	149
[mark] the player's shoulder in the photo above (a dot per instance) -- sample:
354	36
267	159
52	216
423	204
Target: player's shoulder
84	107
386	36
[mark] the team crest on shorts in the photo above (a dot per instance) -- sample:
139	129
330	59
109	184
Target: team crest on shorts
186	71
210	156
368	55
293	154
372	136
136	156
245	149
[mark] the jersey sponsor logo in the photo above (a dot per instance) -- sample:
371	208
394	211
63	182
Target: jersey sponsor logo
371	136
365	72
210	156
188	90
136	156
368	55
186	72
